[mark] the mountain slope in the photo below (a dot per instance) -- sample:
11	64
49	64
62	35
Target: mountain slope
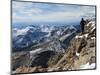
67	51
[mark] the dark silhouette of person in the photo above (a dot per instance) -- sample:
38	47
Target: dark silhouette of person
82	24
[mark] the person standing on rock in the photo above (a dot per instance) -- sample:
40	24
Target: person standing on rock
82	24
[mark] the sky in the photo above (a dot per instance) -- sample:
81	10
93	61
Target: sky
30	12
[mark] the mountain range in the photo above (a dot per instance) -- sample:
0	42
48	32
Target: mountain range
23	38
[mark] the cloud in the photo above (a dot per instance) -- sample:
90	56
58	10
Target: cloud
38	12
53	17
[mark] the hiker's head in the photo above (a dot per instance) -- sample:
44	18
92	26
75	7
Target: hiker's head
82	19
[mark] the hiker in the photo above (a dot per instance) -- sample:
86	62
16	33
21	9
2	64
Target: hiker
82	24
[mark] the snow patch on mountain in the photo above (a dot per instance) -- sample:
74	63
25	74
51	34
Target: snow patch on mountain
81	36
88	66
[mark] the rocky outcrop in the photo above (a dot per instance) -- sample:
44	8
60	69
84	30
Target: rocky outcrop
80	52
20	59
42	58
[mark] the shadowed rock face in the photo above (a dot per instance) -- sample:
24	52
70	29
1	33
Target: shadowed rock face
23	59
42	59
82	45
